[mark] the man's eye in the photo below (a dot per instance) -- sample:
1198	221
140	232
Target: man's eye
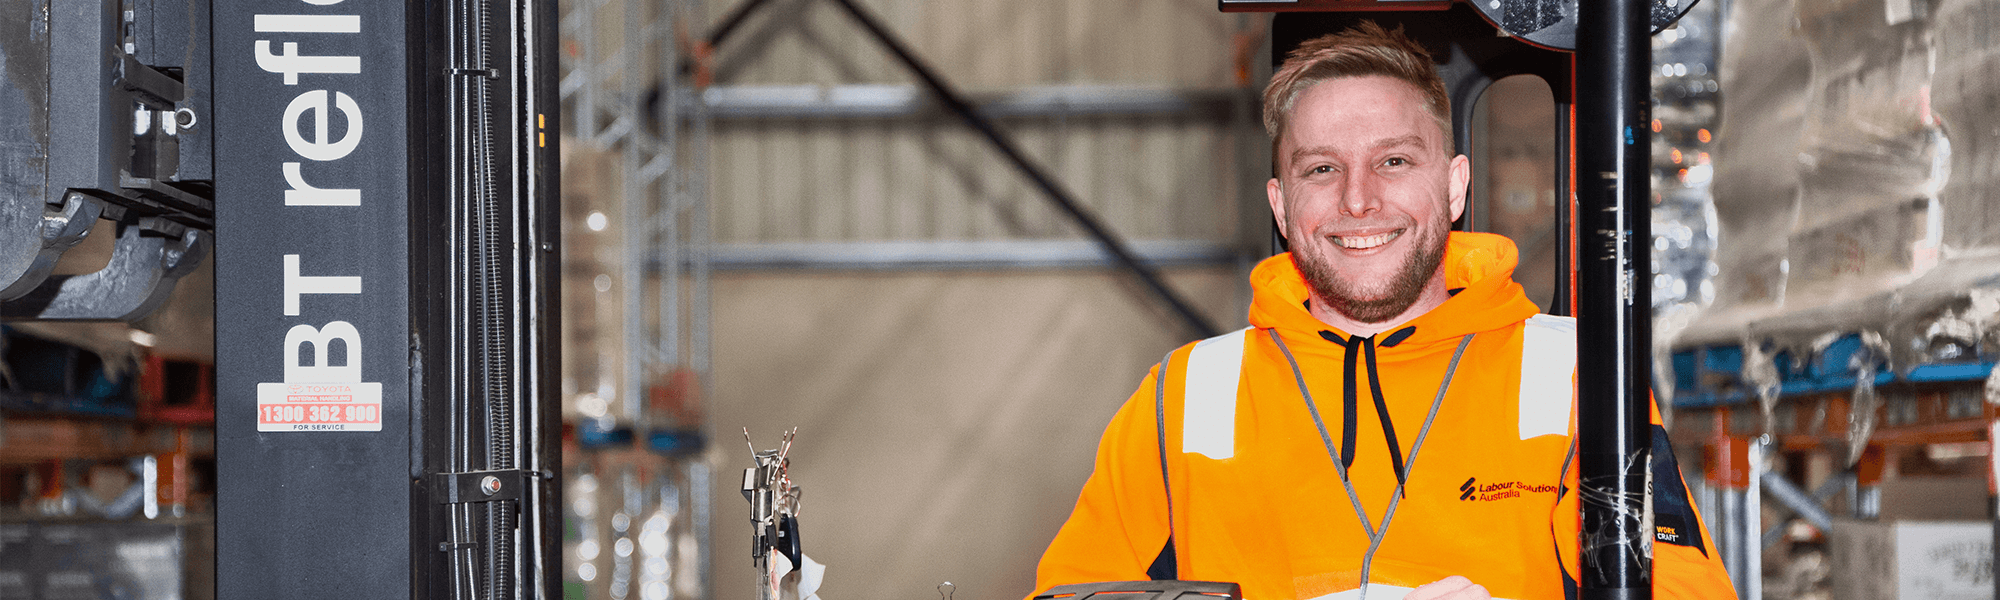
1321	170
1396	161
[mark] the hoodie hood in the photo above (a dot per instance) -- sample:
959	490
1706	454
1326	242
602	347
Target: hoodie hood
1480	265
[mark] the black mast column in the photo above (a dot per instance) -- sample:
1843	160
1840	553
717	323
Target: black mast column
1614	316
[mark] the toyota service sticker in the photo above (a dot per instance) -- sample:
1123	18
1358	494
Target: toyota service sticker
353	406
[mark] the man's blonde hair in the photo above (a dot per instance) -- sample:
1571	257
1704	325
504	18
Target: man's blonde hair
1362	50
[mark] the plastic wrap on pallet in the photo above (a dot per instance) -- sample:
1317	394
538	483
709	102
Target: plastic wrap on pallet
1761	372
1827	154
1965	83
1965	332
1855	168
1861	414
1872	156
1955	339
1992	391
1764	73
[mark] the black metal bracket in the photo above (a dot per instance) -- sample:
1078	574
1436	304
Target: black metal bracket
481	486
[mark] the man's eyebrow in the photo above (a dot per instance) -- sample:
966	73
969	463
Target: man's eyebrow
1299	153
1408	140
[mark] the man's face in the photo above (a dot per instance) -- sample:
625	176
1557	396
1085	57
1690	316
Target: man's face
1366	192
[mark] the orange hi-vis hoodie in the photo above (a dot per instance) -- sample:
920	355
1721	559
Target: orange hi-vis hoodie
1257	495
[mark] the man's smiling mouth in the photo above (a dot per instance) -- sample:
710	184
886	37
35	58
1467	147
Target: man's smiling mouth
1365	242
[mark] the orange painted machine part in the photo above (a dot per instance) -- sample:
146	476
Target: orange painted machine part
153	405
1992	460
704	64
52	479
1243	53
1725	462
1868	472
1992	450
173	474
1569	174
678	395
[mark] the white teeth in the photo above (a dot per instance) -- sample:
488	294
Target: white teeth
1363	243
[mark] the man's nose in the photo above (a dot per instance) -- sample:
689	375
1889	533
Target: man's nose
1361	194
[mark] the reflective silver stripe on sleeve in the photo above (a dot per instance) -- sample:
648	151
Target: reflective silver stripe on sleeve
1548	372
1208	418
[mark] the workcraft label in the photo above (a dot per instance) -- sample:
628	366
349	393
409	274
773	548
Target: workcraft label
319	407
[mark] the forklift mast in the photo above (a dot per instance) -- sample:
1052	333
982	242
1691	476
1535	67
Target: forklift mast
377	183
386	408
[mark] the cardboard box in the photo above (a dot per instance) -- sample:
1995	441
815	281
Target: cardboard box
1910	560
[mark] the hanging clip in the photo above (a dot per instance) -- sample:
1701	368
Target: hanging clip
774	502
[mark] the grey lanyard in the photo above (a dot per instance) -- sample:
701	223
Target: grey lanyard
1375	534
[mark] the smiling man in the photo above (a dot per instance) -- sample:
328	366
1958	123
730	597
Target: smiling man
1285	457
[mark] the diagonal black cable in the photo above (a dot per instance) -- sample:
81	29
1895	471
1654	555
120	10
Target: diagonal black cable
731	22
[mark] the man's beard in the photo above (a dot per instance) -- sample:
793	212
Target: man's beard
1342	295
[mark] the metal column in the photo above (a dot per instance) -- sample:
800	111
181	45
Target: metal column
1613	143
1728	469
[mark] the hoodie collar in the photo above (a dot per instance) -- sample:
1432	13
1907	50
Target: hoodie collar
1482	264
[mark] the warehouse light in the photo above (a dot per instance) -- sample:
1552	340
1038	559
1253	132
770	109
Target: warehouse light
1700	174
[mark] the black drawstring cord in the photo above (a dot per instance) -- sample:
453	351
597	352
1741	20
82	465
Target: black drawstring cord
1347	392
1359	347
1382	411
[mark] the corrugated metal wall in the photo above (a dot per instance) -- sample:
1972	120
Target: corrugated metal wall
1150	176
874	180
987	45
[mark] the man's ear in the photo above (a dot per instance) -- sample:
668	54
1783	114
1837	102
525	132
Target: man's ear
1277	196
1461	174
